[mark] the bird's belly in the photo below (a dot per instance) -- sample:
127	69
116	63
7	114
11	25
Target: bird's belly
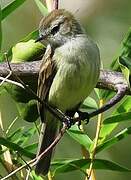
72	84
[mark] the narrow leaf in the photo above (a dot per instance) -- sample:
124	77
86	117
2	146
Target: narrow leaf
118	137
22	136
32	147
89	104
0	28
32	35
11	7
26	135
118	118
41	7
16	147
80	137
71	165
125	64
34	176
15	136
106	129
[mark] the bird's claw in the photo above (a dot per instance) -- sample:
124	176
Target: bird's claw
84	116
68	121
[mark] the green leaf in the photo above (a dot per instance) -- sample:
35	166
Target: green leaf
118	137
42	8
15	136
106	130
89	104
22	136
125	65
124	51
32	147
0	28
16	147
26	135
124	107
19	94
11	8
32	35
80	137
118	118
77	164
30	112
34	176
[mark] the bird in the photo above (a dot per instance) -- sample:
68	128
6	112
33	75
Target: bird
68	73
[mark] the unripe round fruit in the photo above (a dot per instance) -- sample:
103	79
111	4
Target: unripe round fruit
27	51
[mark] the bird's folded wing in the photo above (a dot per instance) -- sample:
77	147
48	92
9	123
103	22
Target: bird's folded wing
46	75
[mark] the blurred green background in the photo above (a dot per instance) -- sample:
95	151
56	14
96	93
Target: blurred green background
106	22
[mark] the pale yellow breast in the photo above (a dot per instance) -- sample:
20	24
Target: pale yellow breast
78	70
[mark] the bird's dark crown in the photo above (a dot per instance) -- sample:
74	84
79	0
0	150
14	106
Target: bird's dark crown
55	14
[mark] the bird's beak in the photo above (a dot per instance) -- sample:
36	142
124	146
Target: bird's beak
40	38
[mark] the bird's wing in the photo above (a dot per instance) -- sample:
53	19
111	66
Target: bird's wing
46	75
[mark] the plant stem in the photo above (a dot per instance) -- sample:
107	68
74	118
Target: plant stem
50	177
92	156
85	153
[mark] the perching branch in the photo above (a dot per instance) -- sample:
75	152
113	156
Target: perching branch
109	80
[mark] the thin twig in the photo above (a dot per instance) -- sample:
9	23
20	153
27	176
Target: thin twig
19	155
65	127
37	128
84	151
28	174
114	100
10	81
34	161
5	79
50	176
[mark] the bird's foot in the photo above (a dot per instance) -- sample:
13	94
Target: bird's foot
83	116
68	121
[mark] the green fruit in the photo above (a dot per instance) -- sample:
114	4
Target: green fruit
27	51
19	94
22	52
30	112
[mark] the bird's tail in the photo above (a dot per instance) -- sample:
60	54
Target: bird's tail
48	133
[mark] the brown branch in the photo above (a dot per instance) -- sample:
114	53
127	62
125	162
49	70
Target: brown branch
34	161
109	80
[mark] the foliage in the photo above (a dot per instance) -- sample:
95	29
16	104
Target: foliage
19	141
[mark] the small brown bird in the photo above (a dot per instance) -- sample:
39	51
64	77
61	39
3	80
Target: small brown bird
69	71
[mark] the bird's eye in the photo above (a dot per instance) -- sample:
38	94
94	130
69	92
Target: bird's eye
55	29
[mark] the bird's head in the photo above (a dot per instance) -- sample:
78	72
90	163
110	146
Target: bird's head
58	27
